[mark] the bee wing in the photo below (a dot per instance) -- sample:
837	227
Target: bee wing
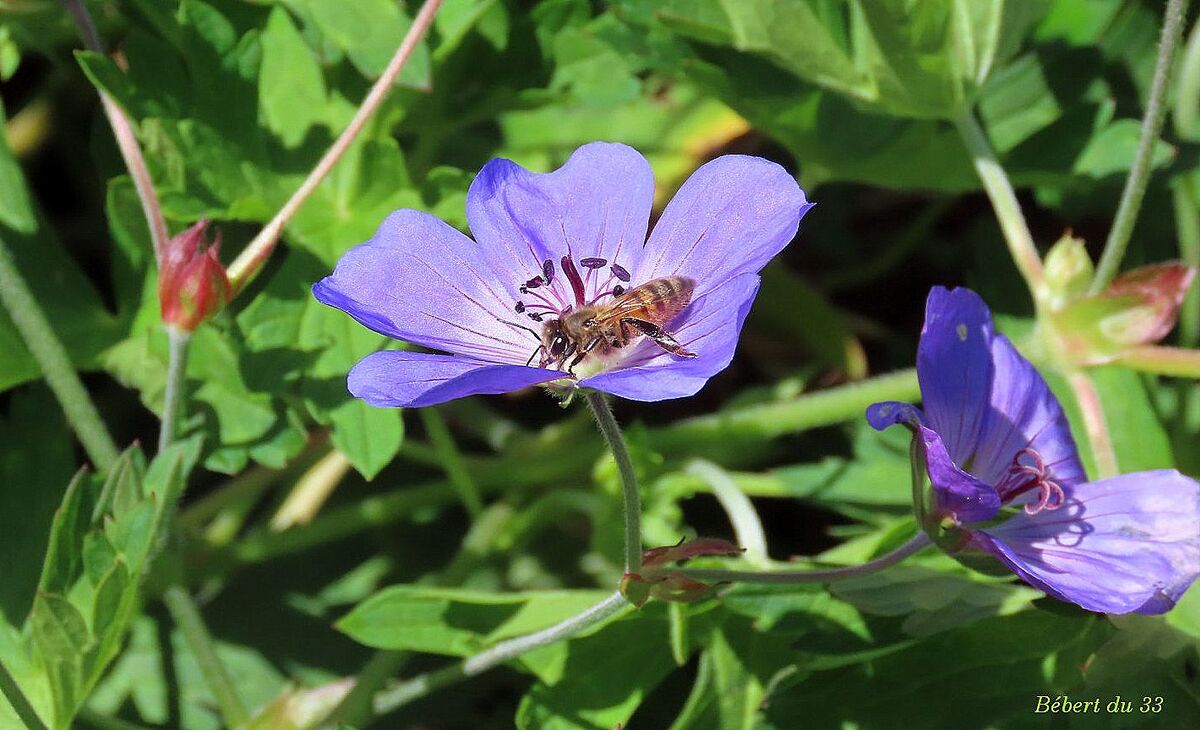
658	301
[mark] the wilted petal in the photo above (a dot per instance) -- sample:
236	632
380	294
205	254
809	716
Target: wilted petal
596	205
422	281
954	366
891	413
1023	413
414	379
729	218
1121	545
708	327
956	491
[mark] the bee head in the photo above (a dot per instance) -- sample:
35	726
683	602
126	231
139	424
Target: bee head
555	344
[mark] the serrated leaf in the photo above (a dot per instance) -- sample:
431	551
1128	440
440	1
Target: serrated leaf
368	436
291	88
62	640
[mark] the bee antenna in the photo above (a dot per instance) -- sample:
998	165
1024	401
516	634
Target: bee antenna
514	325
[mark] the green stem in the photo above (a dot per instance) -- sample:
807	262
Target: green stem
771	420
631	502
747	526
20	703
186	616
104	722
1139	173
418	687
1176	361
918	543
1187	226
177	352
452	461
52	357
1004	202
357	707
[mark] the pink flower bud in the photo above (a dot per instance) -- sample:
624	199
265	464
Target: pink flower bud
192	283
1160	290
700	547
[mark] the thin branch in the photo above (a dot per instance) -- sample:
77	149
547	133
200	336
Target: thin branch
1139	173
250	260
1094	423
918	543
177	340
127	142
1004	202
1176	361
187	618
19	702
418	687
631	497
52	357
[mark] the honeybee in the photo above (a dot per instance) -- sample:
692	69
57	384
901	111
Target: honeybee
601	329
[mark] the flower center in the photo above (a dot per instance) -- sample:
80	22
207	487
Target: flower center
1028	472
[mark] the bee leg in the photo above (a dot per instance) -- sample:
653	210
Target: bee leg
542	363
583	352
661	338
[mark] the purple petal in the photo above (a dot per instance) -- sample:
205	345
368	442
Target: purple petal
1023	413
708	327
955	491
891	412
414	379
597	205
729	218
1121	545
422	281
954	367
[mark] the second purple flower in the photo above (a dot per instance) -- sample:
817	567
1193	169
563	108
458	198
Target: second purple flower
561	283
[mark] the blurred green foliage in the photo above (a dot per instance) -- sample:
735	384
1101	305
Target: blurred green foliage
234	101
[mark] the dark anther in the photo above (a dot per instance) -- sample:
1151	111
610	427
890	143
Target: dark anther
618	290
534	316
548	270
533	283
520	307
592	263
620	272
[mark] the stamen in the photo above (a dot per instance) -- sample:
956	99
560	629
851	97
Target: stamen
619	272
520	307
548	270
1036	475
593	262
572	274
534	316
618	290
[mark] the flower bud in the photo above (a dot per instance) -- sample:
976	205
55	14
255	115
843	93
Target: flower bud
686	550
1139	308
1068	271
192	283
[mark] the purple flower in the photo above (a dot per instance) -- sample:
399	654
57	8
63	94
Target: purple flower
1007	477
528	300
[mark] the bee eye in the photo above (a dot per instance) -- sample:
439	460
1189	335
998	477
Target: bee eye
557	345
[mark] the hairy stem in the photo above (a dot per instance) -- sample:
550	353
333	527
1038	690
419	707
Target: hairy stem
127	142
251	259
418	687
1004	201
19	702
56	365
173	403
186	616
631	502
747	527
311	491
1094	422
919	542
1139	173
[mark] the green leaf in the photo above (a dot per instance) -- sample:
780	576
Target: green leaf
64	644
16	207
369	32
35	468
291	89
368	436
1112	150
454	621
